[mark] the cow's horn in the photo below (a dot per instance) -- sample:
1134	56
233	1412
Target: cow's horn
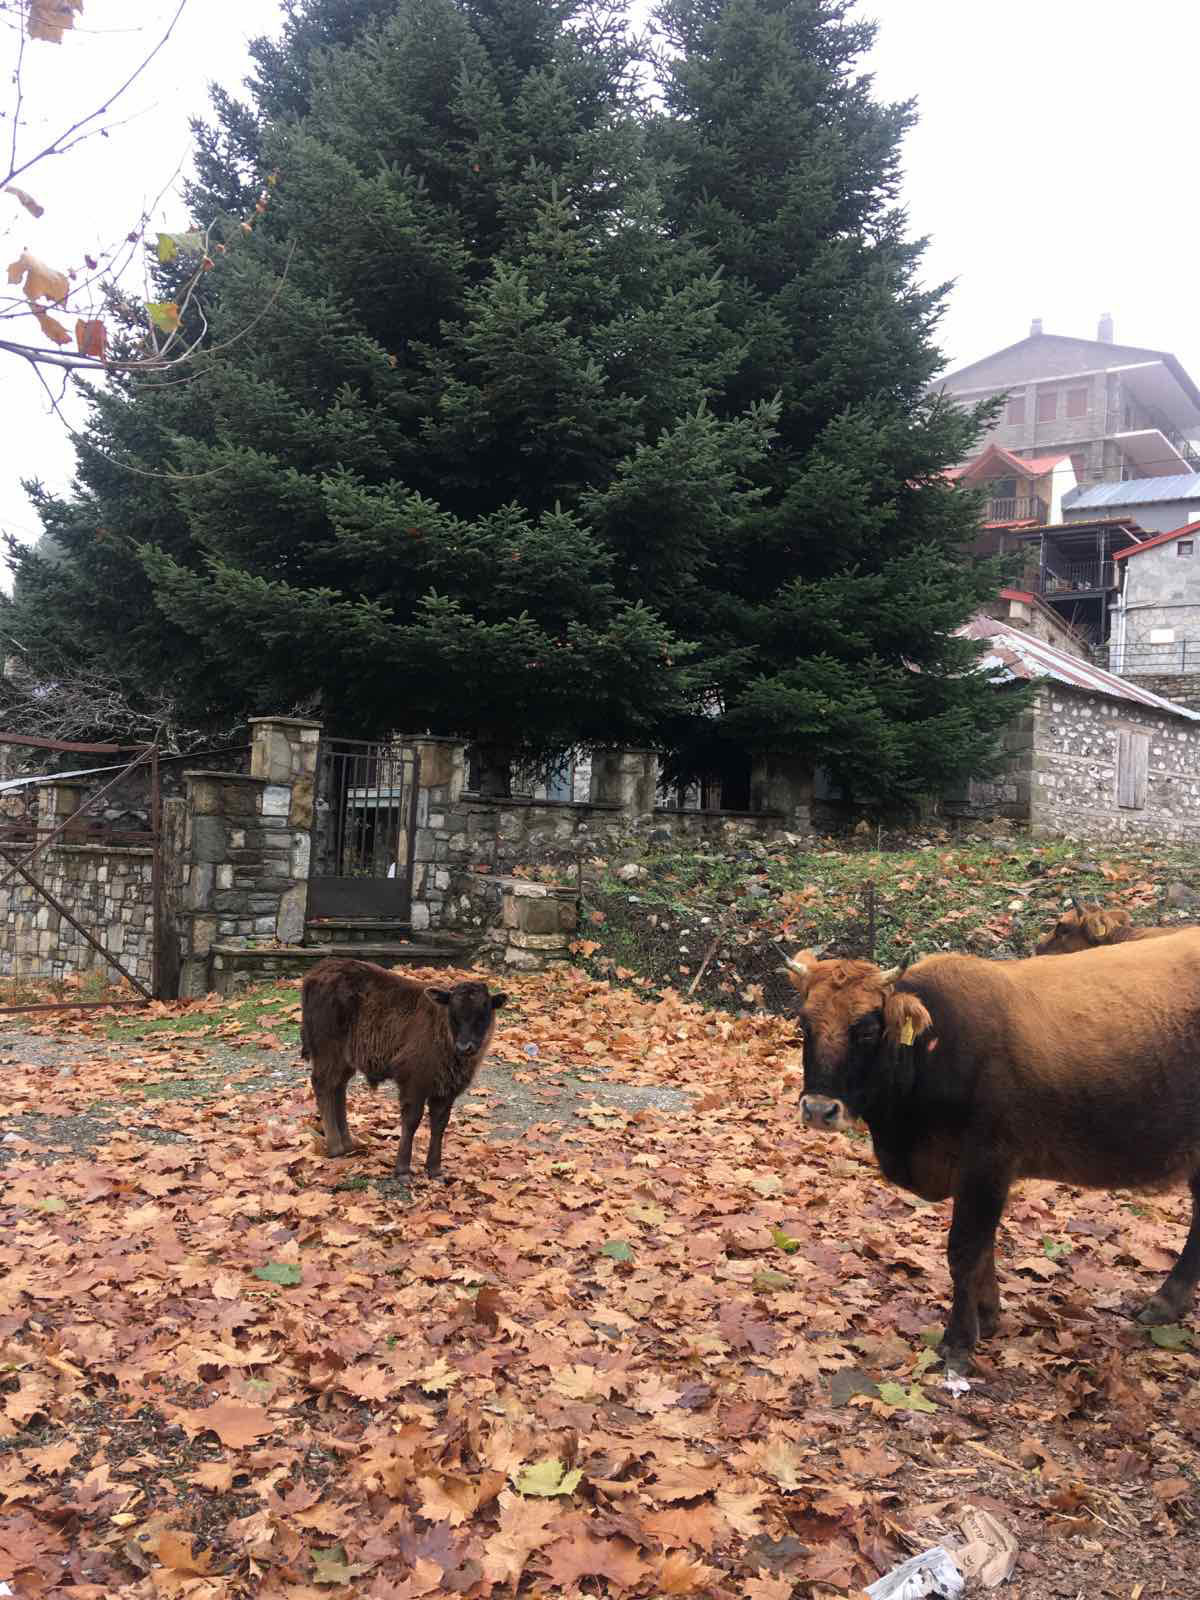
891	975
1078	904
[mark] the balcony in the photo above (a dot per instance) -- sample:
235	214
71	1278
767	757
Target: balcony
1020	508
1076	577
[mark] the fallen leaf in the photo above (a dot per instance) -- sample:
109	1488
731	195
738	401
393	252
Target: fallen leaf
547	1478
902	1399
234	1424
279	1272
617	1249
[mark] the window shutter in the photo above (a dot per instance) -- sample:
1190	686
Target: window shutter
1133	767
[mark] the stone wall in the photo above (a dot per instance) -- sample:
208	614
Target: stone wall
465	842
1075	781
1183	688
244	857
109	890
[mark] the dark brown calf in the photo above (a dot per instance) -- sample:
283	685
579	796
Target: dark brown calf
972	1074
357	1017
1087	927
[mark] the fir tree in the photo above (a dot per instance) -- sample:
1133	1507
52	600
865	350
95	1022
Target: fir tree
851	566
533	414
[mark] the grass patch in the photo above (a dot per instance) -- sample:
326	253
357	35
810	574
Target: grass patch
993	897
268	1008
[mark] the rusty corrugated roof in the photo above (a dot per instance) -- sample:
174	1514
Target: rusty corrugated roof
1013	654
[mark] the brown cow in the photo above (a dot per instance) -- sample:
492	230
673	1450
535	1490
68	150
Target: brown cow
972	1074
1085	927
357	1017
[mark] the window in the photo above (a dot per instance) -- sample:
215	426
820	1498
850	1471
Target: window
1047	405
1184	547
1015	414
1162	635
1077	402
1133	762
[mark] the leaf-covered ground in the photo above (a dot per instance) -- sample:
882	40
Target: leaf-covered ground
651	1340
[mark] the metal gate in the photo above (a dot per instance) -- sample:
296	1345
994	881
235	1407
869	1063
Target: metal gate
364	829
20	848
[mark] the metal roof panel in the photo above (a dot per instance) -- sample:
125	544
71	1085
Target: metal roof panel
1013	654
1134	492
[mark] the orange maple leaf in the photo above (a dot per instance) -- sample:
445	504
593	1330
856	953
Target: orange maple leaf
585	1556
234	1424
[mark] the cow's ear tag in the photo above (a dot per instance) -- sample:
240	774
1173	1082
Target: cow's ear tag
907	1032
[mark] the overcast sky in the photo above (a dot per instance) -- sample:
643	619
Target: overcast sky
1051	167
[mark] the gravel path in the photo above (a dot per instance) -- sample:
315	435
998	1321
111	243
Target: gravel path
515	1098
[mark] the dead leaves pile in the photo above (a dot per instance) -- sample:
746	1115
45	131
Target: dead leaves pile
659	1354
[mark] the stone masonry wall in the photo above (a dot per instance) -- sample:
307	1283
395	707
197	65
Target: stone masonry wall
1182	687
1074	778
465	842
246	849
109	890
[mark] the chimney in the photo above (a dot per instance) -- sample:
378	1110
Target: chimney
1035	328
1105	331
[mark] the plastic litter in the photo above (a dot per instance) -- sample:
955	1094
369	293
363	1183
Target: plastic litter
531	1050
933	1575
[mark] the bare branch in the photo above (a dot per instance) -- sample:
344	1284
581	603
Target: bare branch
59	144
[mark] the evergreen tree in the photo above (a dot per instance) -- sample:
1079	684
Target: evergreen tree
850	566
377	498
529	413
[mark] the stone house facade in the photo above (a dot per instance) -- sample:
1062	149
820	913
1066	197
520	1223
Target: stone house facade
1093	756
1156	617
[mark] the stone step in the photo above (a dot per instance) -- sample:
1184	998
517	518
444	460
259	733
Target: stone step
356	930
235	966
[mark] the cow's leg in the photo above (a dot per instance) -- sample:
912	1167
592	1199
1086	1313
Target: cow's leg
329	1080
987	1294
978	1207
412	1109
1174	1300
439	1116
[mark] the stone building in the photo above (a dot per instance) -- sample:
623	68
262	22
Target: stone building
1118	410
1094	756
1155	627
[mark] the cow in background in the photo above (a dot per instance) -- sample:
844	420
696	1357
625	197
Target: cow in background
972	1074
1086	927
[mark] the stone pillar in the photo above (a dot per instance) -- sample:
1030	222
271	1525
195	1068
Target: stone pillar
627	778
441	846
58	802
247	843
537	924
784	784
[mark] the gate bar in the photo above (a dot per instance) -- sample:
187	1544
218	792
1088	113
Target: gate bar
18	866
90	801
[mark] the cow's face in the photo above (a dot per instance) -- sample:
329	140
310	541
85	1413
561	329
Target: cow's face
1083	928
853	1023
469	1011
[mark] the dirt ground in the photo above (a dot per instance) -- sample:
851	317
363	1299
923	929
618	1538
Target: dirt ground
773	1327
